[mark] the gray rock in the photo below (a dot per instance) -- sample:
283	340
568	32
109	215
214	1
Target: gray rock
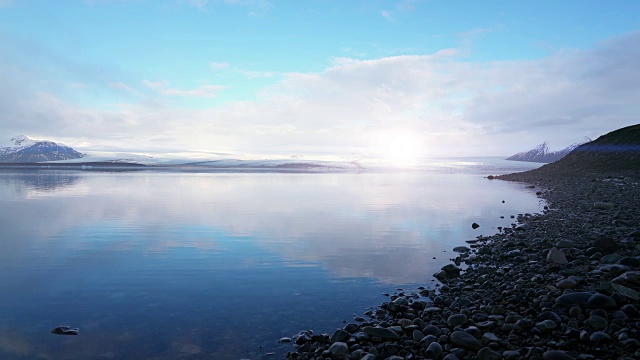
339	349
623	290
368	357
511	354
457	320
451	357
451	269
465	340
434	349
549	315
489	337
401	301
633	262
599	337
461	249
567	283
340	336
488	354
556	355
432	330
611	258
603	205
565	244
440	275
417	335
576	298
380	332
601	301
555	256
630	278
285	340
596	322
351	328
546	325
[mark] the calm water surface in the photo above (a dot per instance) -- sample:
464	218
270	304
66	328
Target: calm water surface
160	265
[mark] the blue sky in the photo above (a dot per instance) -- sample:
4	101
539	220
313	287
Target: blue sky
346	78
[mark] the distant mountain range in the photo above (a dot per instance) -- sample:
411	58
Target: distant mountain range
542	153
25	150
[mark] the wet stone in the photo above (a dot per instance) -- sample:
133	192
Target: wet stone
601	301
465	340
432	330
340	336
488	354
599	337
556	355
567	283
576	298
596	322
417	335
339	349
380	332
546	325
457	320
434	349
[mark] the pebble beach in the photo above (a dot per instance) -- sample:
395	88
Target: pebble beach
562	284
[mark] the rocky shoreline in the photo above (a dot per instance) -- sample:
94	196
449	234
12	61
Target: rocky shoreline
563	284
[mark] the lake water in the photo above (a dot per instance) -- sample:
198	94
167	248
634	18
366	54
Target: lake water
171	265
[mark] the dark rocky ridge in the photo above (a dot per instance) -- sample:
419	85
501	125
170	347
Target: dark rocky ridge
615	152
564	284
542	154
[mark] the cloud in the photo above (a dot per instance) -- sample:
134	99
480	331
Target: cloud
204	91
219	65
252	74
5	3
387	15
201	5
125	88
454	107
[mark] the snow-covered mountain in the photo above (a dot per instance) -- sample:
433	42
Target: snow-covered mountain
23	149
543	154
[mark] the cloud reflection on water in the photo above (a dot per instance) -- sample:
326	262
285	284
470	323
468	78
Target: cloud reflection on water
385	226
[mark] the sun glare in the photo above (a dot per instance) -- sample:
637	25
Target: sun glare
399	148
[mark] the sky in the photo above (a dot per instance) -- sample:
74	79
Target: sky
343	78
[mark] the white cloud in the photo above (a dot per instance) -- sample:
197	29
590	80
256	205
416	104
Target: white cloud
252	74
125	88
387	15
204	91
453	107
219	65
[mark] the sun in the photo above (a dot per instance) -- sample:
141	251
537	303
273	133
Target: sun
399	148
